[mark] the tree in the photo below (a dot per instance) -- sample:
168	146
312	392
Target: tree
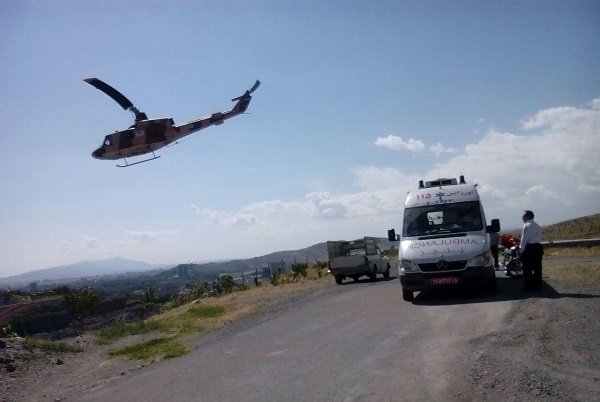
82	303
150	298
227	283
199	289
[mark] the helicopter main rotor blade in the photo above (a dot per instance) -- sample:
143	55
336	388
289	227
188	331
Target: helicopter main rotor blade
110	91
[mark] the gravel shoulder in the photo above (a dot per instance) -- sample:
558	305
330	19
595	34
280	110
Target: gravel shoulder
546	348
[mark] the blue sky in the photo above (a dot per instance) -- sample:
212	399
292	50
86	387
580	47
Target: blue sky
358	101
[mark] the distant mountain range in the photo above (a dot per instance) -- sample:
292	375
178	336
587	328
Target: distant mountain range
81	269
115	266
584	227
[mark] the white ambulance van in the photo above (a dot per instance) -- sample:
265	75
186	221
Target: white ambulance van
444	240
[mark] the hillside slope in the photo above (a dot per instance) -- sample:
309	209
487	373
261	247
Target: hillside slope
586	227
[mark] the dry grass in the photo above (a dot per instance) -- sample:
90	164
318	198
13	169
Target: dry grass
580	228
575	276
559	252
171	333
576	268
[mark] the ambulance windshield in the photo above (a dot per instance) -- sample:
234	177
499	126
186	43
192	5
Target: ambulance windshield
442	218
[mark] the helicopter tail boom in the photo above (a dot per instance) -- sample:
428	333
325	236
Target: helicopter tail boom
219	117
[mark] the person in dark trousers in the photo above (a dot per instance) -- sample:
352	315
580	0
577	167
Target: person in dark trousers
494	243
531	251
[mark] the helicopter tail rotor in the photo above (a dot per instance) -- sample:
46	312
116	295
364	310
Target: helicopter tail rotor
248	92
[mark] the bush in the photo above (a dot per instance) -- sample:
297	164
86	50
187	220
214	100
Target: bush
7	332
275	279
150	298
299	269
320	266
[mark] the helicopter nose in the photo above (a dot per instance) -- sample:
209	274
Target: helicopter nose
98	154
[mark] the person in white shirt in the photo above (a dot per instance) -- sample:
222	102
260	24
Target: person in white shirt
532	251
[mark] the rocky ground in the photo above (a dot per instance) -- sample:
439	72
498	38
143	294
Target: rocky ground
548	349
37	375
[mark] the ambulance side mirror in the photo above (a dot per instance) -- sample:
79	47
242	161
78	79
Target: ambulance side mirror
392	236
494	227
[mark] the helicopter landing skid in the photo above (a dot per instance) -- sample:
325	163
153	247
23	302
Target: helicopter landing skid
138	162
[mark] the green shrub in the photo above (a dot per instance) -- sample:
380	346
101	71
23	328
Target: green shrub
275	279
113	332
320	266
7	332
50	346
165	348
299	269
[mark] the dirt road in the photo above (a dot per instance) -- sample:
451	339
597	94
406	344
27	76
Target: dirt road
361	342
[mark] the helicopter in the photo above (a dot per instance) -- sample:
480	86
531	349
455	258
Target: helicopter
148	135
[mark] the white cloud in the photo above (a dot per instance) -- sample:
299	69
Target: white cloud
550	167
564	118
225	218
439	149
375	178
82	242
398	144
147	235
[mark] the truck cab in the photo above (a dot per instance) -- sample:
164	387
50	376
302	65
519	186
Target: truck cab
444	240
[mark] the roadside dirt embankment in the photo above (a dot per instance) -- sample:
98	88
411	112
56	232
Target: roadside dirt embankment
546	347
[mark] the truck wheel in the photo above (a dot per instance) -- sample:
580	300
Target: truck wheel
373	275
339	279
356	278
407	295
386	274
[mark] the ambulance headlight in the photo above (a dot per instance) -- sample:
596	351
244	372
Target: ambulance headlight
480	260
407	266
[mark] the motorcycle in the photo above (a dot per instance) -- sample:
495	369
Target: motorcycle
513	265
